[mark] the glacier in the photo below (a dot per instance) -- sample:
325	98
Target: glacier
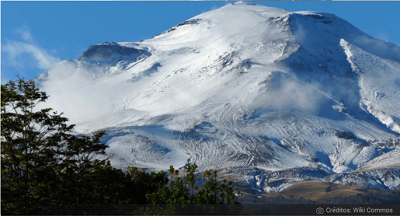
295	96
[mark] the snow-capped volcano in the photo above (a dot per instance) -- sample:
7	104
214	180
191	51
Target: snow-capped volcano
242	86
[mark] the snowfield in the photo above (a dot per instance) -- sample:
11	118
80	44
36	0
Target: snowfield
301	96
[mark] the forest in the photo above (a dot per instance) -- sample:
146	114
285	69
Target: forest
48	170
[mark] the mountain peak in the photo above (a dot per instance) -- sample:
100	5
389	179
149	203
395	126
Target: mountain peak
111	51
242	3
242	86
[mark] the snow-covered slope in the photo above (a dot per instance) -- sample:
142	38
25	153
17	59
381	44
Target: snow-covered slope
241	86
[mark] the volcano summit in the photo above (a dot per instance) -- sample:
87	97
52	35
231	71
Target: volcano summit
284	97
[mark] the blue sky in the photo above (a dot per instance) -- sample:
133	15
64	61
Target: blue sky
36	35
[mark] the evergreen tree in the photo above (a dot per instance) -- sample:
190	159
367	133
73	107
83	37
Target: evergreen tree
34	149
180	191
44	165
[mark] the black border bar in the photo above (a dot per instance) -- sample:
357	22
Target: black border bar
223	210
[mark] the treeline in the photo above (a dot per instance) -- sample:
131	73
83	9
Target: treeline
46	170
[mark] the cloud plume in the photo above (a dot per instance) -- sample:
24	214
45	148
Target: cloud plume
19	53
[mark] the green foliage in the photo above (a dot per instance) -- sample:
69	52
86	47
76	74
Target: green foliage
33	147
212	193
44	165
144	183
181	191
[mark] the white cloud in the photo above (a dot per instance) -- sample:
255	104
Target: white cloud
17	51
25	34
